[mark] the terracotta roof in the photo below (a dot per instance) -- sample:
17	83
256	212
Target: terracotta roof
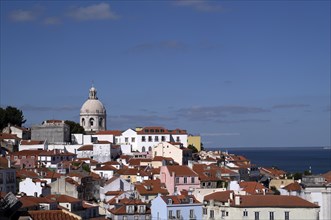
138	161
23	173
106	167
8	136
53	215
113	132
86	147
26	153
63	198
253	187
273	171
54	121
274	201
181	170
113	193
223	196
32	142
179	199
27	202
327	176
207	172
293	187
71	181
111	163
160	158
151	187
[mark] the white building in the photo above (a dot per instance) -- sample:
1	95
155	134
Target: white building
33	145
180	155
34	187
93	113
176	207
318	191
227	205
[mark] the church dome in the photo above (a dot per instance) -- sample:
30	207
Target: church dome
93	105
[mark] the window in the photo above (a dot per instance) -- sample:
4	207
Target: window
192	179
133	139
156	138
271	216
169	201
245	213
287	215
143	138
170	214
91	121
149	148
100	122
178	213
257	215
141	208
143	149
177	179
177	139
150	138
211	213
83	122
185	179
204	211
23	157
15	157
191	213
126	140
163	138
1	178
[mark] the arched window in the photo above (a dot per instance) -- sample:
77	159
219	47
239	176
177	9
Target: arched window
91	121
143	149
100	122
150	148
83	122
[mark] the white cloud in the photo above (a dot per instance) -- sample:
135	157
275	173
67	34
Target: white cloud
23	15
100	11
52	21
199	5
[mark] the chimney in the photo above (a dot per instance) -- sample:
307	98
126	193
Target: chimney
237	200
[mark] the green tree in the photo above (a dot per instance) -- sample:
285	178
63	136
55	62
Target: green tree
11	115
75	128
194	150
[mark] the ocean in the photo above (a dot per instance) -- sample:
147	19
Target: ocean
290	159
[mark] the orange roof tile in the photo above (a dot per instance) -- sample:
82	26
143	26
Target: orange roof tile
88	147
293	187
274	201
223	196
181	170
53	215
113	132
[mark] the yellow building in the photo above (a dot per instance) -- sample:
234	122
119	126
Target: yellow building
194	140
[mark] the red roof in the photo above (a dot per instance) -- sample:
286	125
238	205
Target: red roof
181	170
160	130
88	147
293	187
223	196
112	132
179	199
52	215
32	142
274	201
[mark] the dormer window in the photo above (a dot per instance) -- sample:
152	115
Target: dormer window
191	200
169	201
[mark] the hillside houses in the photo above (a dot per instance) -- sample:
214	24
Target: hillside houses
139	173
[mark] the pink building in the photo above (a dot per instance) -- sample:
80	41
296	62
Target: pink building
178	178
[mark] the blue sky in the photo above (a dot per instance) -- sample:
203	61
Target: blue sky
239	73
